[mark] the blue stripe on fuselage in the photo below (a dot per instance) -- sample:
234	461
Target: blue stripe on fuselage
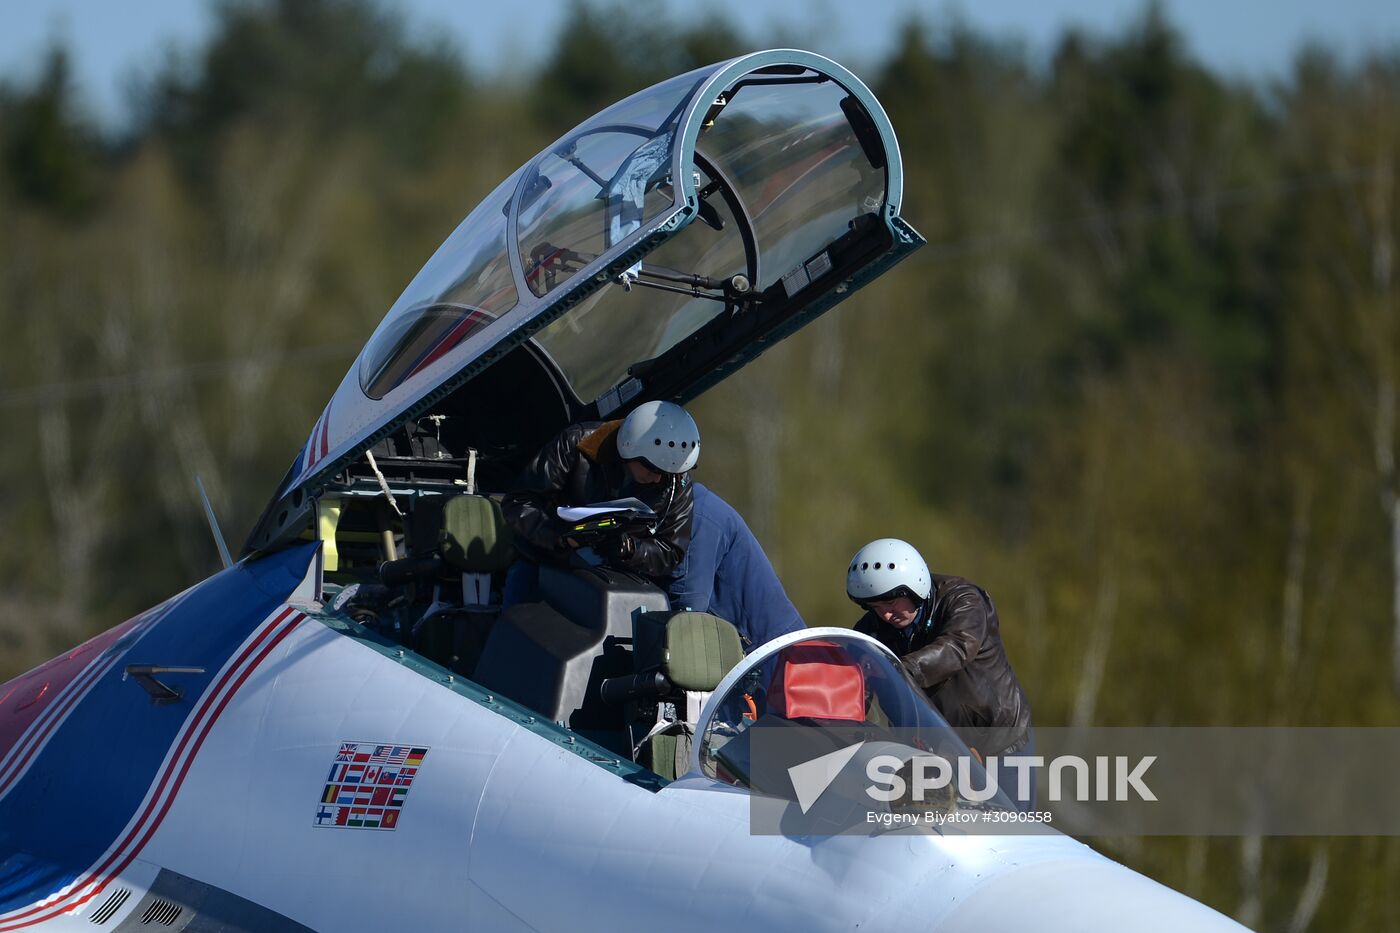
89	780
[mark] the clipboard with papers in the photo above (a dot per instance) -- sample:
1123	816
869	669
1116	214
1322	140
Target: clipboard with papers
603	518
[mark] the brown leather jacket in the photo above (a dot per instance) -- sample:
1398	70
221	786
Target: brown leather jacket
580	466
953	651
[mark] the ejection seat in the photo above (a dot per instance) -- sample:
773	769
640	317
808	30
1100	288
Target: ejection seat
680	659
459	545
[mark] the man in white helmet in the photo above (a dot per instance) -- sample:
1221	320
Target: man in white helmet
647	456
945	631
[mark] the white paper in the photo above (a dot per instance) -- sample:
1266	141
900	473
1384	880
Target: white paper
580	513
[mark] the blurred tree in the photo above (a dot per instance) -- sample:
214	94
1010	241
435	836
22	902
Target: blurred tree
333	66
972	111
1168	174
1343	294
51	154
606	52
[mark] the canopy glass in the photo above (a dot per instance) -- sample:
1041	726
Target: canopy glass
645	254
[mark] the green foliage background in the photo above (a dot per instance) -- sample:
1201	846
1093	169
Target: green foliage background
1141	384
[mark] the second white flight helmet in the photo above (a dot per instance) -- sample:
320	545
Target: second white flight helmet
661	433
884	569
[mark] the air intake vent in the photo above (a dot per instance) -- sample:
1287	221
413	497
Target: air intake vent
162	912
104	913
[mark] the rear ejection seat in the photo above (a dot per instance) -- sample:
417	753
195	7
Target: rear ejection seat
470	538
693	651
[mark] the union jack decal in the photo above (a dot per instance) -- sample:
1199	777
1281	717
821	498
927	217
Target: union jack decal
368	784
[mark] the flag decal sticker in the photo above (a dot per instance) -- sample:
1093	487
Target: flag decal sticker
368	784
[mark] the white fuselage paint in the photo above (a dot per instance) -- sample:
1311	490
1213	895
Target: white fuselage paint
504	830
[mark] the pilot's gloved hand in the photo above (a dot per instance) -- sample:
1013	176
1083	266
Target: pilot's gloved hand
617	550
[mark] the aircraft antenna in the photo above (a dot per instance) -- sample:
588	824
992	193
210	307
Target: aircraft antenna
213	524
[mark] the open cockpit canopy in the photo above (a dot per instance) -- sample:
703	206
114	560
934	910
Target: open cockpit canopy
647	253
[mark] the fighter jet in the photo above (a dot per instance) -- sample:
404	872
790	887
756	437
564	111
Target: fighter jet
342	730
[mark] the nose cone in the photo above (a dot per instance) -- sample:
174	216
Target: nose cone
1080	896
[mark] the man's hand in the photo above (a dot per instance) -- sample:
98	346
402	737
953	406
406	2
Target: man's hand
616	549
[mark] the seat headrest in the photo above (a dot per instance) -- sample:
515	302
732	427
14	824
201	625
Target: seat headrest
700	650
474	537
818	680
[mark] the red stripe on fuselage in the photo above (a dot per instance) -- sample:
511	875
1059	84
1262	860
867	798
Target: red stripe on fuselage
29	745
16	762
319	444
233	678
313	445
24	702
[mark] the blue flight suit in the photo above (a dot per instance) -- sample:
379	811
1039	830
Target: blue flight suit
725	573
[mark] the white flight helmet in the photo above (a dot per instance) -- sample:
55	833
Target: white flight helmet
661	433
887	568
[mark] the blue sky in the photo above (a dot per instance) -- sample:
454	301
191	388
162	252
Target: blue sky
1246	38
